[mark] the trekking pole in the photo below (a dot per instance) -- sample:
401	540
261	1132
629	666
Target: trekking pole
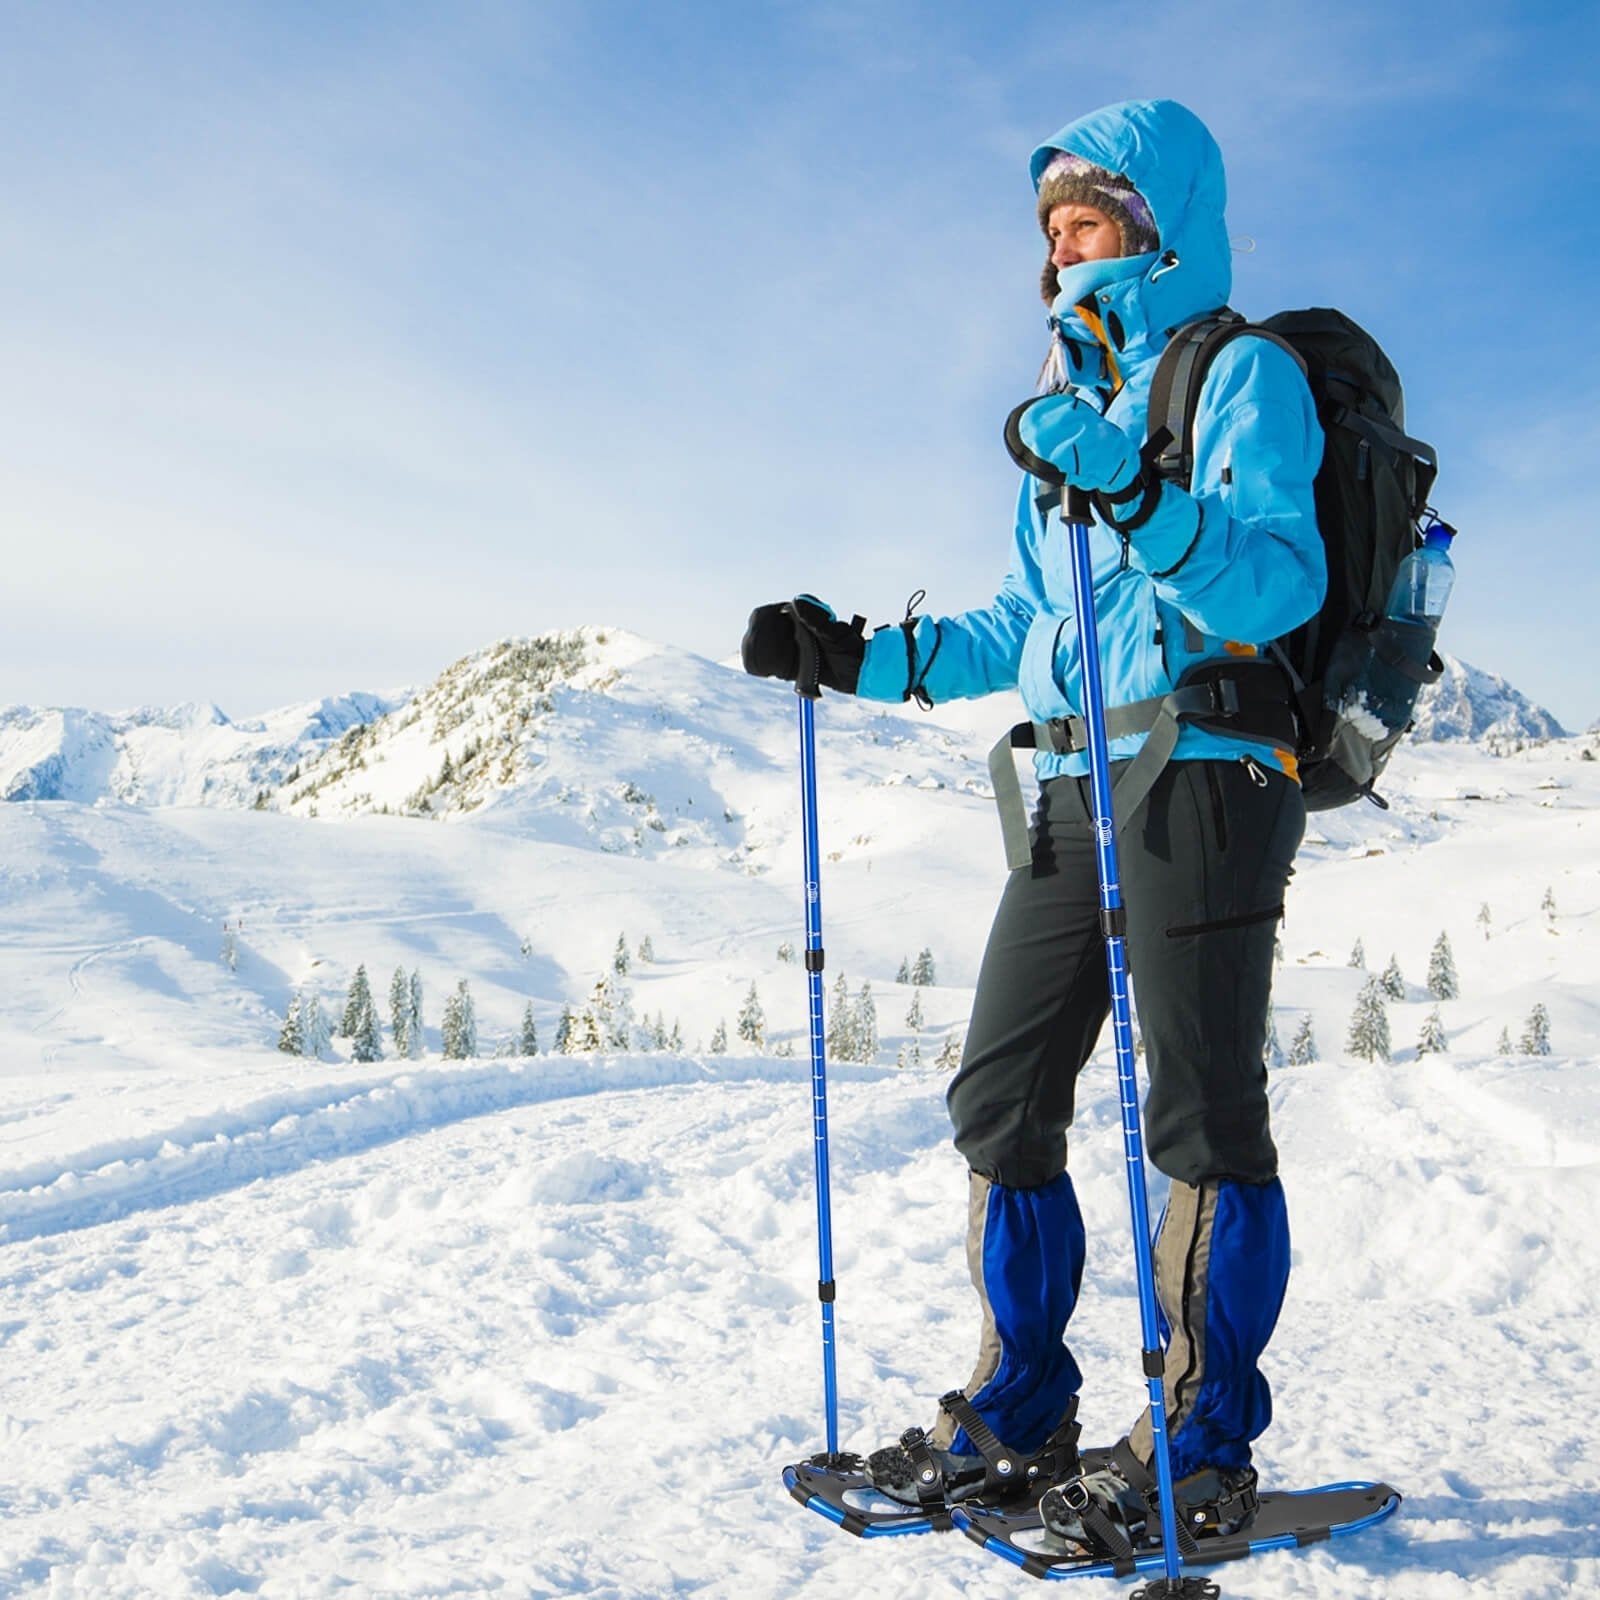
807	693
1113	922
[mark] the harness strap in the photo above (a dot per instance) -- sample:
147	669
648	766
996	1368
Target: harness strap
925	1474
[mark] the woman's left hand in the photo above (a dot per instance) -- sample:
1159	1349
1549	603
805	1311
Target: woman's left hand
1062	432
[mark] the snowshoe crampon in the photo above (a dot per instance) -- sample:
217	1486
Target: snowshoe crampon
1282	1520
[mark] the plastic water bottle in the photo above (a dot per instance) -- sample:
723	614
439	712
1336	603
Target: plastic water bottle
1383	694
1422	583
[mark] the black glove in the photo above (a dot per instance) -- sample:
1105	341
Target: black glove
802	641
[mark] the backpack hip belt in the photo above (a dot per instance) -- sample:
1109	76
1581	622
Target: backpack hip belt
1246	697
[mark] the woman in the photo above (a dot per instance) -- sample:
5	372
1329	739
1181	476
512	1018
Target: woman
1131	201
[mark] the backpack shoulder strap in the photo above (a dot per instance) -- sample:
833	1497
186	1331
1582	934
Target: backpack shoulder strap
1179	376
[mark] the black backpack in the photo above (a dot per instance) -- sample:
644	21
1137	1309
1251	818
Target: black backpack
1371	494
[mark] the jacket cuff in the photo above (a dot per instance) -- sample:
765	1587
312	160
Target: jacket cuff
884	671
1165	542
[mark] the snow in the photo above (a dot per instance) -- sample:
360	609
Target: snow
548	1326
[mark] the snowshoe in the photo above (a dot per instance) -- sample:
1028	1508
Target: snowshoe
910	1487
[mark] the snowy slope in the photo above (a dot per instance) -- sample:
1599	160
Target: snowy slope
548	1327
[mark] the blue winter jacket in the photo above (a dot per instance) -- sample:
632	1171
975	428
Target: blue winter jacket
1232	562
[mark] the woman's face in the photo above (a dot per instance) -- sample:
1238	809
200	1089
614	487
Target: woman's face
1081	233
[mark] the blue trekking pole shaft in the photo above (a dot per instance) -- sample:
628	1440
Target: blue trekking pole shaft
1113	923
807	694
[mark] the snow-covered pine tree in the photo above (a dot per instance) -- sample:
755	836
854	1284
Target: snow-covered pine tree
1502	1045
1303	1047
1536	1032
1483	918
314	1026
1432	1041
400	1012
675	1039
659	1039
909	1054
841	1022
619	957
922	968
1548	904
292	1035
719	1039
356	1000
1443	984
866	1025
914	1013
1271	1050
949	1057
786	951
528	1039
564	1031
647	951
1358	956
904	973
1369	1024
459	1031
366	1038
752	1023
416	1035
1392	983
612	1004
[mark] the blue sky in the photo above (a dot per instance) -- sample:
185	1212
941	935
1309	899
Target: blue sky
340	340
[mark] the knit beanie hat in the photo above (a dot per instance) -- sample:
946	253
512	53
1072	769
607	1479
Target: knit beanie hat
1074	180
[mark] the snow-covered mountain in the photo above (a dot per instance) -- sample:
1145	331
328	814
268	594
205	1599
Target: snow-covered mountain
1469	703
602	733
181	755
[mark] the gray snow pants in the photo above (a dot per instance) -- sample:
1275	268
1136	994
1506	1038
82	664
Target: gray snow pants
1204	865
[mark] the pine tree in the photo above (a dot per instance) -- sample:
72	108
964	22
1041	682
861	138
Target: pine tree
564	1032
357	1000
587	1035
922	970
292	1037
904	974
786	951
914	1014
1442	981
459	1029
1548	905
528	1041
1392	983
1271	1050
366	1041
659	1038
619	957
1369	1024
841	1022
611	1003
1432	1040
1358	956
675	1041
866	1017
647	951
752	1023
316	1033
1536	1032
400	1012
1303	1049
949	1057
910	1054
719	1039
416	1037
1483	918
1502	1045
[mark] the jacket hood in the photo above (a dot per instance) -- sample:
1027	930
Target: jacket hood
1169	156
